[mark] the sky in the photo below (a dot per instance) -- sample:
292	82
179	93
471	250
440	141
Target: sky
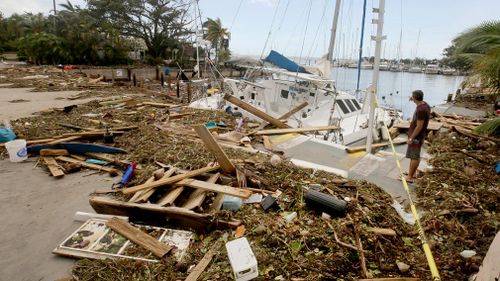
301	28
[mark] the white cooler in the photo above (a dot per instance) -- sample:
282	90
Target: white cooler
242	259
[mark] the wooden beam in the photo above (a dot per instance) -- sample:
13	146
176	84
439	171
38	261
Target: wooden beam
213	146
53	152
91	134
284	116
145	194
353	149
169	180
293	111
157	104
295	130
169	198
382	231
391	279
140	238
433	126
53	167
248	107
267	143
197	197
138	194
225	189
66	139
107	158
88	165
203	263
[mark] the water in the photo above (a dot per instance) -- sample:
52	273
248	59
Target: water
435	87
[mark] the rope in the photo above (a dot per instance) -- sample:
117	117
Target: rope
270	29
315	43
305	32
235	15
421	234
281	23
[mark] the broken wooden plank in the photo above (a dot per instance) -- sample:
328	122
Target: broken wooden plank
213	146
53	167
157	104
382	231
111	171
293	111
295	130
169	198
66	139
433	126
248	107
138	194
91	134
145	194
376	145
140	238
391	279
267	143
225	189
169	180
107	158
53	152
203	263
197	197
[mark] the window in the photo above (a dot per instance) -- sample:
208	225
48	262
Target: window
356	104
342	106
252	96
242	97
284	94
311	94
349	104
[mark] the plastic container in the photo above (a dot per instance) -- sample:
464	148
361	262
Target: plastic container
325	203
231	203
17	150
242	259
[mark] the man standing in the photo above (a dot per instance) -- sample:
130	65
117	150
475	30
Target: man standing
417	132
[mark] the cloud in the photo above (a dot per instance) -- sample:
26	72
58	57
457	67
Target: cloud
9	7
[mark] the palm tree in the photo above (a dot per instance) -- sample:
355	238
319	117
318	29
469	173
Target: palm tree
217	34
481	45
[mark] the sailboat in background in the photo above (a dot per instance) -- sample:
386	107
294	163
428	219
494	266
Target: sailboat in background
285	85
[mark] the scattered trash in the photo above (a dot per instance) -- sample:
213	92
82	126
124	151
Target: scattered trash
407	217
6	135
96	161
289	217
231	203
17	150
254	198
466	254
270	203
403	267
242	259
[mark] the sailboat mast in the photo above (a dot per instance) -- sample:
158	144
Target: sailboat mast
334	31
376	67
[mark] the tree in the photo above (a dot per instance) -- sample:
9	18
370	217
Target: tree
160	23
219	37
481	45
457	62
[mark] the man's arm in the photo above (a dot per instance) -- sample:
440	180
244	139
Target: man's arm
418	128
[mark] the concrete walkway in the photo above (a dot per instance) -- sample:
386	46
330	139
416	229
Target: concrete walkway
450	108
35	101
37	211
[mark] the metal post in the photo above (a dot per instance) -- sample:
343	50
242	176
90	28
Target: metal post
334	31
360	57
376	67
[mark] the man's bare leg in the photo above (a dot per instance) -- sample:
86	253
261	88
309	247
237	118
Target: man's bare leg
413	168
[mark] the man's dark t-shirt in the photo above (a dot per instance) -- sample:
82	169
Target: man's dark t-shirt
422	112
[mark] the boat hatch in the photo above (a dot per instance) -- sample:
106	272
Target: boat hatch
348	105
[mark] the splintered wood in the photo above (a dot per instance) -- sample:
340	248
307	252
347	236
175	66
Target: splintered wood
212	145
53	167
169	180
149	243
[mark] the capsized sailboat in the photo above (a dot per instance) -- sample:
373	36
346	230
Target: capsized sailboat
280	85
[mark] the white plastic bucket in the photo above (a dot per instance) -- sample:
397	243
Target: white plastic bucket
17	150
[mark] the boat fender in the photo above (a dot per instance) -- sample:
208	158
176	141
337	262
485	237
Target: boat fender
325	203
